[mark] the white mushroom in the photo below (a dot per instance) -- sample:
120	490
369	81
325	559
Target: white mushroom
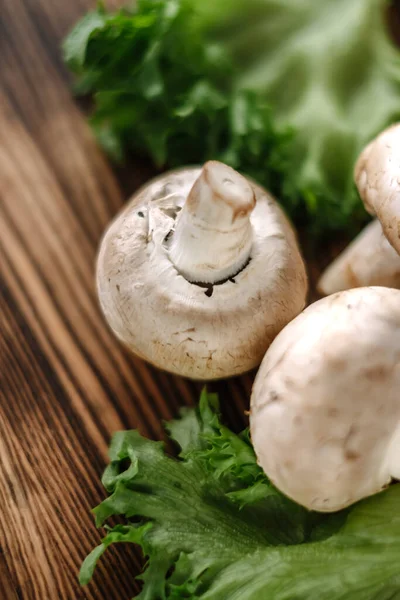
199	272
377	175
325	406
369	260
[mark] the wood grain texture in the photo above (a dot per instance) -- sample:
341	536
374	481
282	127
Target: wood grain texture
66	383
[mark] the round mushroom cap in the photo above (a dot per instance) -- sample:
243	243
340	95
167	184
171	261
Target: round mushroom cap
377	175
325	406
199	330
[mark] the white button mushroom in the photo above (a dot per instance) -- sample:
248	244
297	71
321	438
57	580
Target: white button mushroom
199	272
325	406
370	259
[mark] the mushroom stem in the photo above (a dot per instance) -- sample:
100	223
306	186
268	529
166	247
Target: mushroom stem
368	260
213	234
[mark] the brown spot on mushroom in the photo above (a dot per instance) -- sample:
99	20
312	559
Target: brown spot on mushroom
337	364
118	287
333	412
298	420
273	396
377	372
351	455
353	280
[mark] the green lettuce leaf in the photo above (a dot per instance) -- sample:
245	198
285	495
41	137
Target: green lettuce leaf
286	91
161	89
214	528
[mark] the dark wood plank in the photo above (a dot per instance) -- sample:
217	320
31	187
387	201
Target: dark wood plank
66	383
6	585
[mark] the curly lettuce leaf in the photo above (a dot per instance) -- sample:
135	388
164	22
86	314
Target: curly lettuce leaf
162	89
213	527
329	70
286	91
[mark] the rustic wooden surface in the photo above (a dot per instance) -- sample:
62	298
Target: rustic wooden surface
67	384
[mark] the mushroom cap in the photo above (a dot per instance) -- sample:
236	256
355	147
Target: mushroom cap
377	175
202	332
368	260
325	406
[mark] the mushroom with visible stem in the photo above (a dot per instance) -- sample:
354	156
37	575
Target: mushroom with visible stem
200	271
368	260
373	257
325	406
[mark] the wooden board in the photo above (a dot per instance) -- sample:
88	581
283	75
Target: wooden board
67	384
